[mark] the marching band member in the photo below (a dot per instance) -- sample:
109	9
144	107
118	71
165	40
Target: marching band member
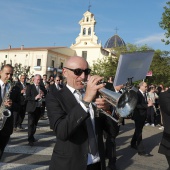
34	95
79	132
10	102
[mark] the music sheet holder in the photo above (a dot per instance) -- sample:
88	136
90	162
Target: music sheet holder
133	66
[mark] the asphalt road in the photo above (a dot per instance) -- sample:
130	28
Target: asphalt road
19	156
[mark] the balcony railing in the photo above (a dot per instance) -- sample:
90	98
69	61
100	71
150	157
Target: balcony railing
50	68
37	68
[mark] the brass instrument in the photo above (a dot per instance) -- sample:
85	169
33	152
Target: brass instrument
124	103
4	111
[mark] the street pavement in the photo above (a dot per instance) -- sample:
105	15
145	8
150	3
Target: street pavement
19	156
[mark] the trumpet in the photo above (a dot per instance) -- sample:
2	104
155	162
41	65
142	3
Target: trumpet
124	103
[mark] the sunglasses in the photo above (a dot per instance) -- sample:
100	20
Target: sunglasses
79	71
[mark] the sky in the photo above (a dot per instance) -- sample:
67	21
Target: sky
44	23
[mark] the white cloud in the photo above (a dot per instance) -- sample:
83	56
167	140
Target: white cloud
152	39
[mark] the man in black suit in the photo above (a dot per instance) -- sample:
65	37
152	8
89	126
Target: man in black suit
11	103
164	102
110	142
77	124
139	116
34	95
19	117
56	86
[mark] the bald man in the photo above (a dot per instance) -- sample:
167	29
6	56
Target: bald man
139	116
71	117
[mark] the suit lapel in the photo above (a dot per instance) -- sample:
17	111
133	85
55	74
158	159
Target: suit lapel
67	96
34	89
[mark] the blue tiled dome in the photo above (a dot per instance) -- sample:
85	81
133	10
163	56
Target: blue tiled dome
114	41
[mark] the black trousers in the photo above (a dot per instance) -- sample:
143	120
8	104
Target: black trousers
33	118
19	116
137	136
43	108
96	166
3	142
111	151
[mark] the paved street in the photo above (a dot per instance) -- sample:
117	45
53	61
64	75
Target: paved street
19	156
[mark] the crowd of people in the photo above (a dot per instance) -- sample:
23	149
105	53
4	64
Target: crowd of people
75	112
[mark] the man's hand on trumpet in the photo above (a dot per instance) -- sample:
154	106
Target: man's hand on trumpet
92	88
101	103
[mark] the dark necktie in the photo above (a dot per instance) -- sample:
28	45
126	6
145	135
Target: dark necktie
4	91
145	97
37	88
91	135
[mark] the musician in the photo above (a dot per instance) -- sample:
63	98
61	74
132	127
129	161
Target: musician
44	83
164	101
19	116
110	142
75	121
56	86
34	95
12	104
139	117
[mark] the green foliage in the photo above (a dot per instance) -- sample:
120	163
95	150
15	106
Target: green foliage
160	68
105	67
165	23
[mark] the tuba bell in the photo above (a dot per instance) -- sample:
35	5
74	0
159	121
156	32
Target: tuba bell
124	103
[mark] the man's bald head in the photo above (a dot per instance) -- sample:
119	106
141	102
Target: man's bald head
73	60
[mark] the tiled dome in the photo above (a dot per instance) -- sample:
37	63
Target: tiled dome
114	41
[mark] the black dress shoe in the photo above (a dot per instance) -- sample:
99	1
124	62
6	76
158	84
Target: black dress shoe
35	140
145	154
134	147
31	143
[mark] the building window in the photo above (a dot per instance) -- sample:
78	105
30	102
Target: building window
89	31
87	19
84	31
11	62
84	54
52	63
4	62
6	56
38	62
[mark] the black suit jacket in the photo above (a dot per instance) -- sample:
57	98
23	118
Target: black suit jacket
22	97
67	119
15	97
164	102
140	111
31	93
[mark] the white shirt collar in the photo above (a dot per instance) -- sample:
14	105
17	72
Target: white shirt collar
1	83
70	88
141	91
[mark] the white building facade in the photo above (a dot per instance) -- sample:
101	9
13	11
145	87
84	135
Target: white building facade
42	60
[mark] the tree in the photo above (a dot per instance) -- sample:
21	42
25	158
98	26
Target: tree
165	23
160	67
